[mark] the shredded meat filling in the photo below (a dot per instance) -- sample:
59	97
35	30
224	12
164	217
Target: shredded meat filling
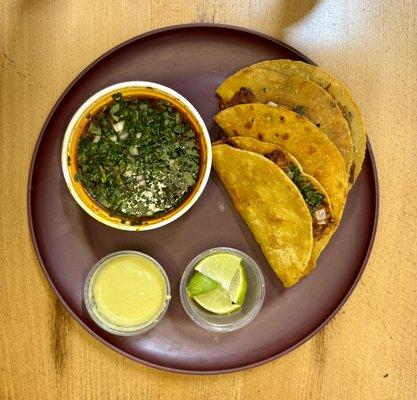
279	158
229	142
243	96
320	212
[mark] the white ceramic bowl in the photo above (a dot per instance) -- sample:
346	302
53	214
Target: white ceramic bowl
77	126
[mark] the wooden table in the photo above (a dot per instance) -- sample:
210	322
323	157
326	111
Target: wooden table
368	351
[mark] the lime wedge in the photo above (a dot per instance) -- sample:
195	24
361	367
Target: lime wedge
239	286
220	283
200	284
217	301
221	267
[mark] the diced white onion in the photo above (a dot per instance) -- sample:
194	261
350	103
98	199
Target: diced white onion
128	173
96	138
113	138
321	214
271	104
138	135
118	126
123	135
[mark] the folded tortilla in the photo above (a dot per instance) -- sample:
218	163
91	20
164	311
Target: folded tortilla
311	190
272	207
260	85
296	135
341	95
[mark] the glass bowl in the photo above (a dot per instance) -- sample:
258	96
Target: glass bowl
100	320
237	319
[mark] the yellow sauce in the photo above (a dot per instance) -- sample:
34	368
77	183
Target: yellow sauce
127	291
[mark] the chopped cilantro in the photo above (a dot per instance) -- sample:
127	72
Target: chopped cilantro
138	157
346	114
299	109
308	191
94	129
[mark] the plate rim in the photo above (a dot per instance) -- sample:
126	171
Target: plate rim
34	241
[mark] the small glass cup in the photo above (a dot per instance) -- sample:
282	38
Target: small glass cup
237	319
90	304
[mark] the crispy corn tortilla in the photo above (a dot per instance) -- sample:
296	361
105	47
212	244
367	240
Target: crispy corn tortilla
297	135
320	237
339	92
271	206
306	97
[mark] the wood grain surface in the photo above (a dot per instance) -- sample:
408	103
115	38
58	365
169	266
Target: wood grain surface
368	351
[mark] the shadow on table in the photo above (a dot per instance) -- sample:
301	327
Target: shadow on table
290	12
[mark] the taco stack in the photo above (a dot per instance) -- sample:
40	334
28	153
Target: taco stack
290	131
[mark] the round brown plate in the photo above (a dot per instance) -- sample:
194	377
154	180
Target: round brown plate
193	60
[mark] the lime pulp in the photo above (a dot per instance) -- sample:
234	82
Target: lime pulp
219	284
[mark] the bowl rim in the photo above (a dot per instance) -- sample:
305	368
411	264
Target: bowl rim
95	98
145	327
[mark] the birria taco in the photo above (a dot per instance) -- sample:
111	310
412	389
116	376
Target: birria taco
311	190
272	207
